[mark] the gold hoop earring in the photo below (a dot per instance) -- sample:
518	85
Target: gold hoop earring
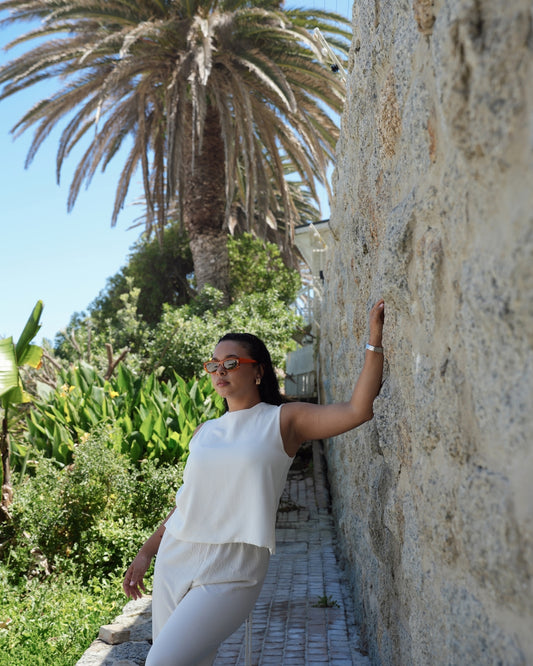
258	380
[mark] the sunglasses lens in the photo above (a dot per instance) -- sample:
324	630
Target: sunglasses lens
228	364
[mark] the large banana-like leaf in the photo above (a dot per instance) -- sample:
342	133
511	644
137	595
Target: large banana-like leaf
30	331
31	356
9	374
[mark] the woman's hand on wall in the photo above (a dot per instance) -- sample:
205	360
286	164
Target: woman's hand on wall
376	319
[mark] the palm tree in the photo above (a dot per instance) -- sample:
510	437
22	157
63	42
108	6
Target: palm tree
217	99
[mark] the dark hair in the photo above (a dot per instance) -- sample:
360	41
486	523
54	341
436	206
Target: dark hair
269	387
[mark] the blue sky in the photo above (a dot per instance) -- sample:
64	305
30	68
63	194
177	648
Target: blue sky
46	253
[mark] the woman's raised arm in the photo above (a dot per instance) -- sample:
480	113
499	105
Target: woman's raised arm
301	421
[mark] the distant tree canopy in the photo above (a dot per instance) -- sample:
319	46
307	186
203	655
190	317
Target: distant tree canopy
257	266
165	323
159	269
163	272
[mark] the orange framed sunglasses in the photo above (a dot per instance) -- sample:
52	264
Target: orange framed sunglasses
229	364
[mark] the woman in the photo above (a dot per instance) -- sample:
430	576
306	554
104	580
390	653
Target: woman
214	546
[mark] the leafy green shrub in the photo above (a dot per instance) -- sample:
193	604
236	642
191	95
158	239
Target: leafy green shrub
154	491
109	545
74	531
186	336
182	341
53	511
257	266
146	418
268	317
94	513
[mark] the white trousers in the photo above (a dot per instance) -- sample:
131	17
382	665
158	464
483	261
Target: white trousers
202	594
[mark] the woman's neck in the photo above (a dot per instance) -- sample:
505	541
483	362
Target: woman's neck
236	404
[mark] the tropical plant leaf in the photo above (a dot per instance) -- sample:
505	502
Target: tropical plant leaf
31	356
9	374
14	396
151	420
29	332
147	427
124	380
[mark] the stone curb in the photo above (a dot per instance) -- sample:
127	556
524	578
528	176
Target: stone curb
124	642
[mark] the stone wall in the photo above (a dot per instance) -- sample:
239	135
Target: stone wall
434	212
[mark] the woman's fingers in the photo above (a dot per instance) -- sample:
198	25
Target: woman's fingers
133	589
378	307
377	313
376	320
133	583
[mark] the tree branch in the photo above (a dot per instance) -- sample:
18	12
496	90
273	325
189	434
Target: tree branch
111	365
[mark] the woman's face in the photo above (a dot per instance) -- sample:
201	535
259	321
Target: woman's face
237	383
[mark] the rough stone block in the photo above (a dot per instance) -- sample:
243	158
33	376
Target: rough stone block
114	634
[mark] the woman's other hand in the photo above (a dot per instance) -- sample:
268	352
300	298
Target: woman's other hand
133	584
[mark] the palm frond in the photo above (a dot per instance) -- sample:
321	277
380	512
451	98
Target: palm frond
150	72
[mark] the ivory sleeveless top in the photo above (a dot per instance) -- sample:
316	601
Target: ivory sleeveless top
233	480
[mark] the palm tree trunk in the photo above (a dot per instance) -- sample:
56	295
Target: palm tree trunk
204	206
